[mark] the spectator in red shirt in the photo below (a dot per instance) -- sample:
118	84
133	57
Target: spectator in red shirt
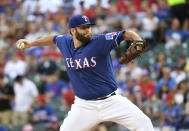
147	86
68	97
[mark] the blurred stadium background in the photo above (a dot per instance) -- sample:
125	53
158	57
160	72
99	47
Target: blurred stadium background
35	93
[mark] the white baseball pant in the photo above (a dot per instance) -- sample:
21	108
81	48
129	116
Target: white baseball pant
85	114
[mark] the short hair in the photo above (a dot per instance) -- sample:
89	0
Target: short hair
70	32
18	78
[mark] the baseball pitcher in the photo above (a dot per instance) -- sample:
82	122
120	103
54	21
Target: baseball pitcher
89	68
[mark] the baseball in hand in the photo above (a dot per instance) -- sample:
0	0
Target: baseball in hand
21	46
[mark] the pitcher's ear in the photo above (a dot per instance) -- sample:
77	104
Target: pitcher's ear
72	31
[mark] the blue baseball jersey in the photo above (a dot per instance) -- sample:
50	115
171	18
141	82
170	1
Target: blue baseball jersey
89	67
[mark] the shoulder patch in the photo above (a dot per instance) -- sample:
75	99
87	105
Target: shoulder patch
109	36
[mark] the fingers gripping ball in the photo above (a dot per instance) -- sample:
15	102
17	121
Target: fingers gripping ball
21	45
134	50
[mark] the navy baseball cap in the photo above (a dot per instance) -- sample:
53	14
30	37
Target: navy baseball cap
79	20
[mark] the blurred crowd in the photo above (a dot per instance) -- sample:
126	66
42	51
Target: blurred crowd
34	86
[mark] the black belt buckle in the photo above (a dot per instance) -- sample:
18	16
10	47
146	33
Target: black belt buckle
103	98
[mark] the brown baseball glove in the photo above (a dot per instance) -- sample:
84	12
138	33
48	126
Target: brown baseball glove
134	50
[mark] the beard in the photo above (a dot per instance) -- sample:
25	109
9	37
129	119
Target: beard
84	39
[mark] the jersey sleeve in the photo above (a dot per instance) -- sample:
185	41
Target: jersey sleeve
60	41
55	38
110	40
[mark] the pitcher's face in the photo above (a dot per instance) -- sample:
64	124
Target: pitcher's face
84	34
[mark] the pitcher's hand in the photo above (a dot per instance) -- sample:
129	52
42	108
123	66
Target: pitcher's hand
23	44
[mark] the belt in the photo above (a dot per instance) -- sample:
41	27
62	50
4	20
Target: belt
105	97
